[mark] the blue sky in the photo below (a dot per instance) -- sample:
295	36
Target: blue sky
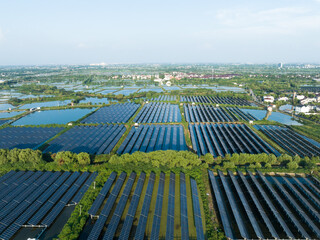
231	31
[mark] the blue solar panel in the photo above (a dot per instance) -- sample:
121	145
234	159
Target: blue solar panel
196	209
84	188
53	199
158	209
102	195
139	235
98	226
281	203
114	222
127	225
171	203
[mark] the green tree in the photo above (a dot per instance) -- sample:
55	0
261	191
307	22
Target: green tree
83	158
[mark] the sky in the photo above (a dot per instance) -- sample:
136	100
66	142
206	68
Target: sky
151	31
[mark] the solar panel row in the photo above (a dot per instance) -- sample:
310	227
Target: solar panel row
114	222
183	207
98	226
102	195
26	137
165	98
147	138
196	209
116	113
265	207
127	225
222	139
291	141
91	139
156	112
171	203
206	113
158	209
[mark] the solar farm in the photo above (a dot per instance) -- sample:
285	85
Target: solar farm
36	199
215	100
222	139
148	138
294	143
158	113
116	113
153	206
207	113
164	98
91	139
26	137
258	206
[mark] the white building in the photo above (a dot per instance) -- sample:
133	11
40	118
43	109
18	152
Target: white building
307	100
268	99
302	109
300	97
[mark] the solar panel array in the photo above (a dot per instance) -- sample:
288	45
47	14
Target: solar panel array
291	141
165	98
157	112
36	197
196	209
242	115
207	113
116	113
230	101
195	99
216	100
114	222
26	137
148	138
257	206
91	139
3	122
222	139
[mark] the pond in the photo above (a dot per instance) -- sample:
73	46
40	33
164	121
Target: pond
9	114
5	106
95	100
46	104
275	116
53	116
126	91
151	89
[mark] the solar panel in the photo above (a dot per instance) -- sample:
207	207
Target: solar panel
139	235
247	207
289	214
158	209
116	217
102	195
98	226
127	225
171	203
196	209
298	210
263	214
84	188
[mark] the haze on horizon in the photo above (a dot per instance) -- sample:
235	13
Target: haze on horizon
83	32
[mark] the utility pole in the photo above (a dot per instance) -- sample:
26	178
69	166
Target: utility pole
80	209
